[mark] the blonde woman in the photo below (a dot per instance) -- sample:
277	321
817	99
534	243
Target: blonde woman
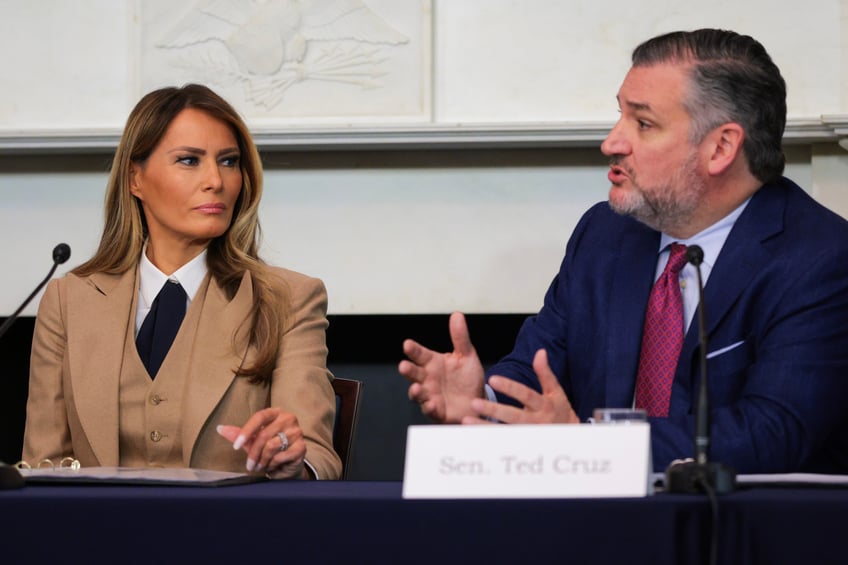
243	386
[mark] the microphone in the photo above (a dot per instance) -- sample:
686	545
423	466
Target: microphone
9	476
61	253
702	474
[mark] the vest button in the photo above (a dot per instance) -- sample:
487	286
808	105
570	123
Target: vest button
155	399
156	436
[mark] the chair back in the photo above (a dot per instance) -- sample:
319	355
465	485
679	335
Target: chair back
348	394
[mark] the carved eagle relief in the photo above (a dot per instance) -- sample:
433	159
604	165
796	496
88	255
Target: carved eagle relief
267	42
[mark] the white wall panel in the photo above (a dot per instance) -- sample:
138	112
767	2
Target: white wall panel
481	230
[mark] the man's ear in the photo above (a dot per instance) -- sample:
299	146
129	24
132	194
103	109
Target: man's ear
724	146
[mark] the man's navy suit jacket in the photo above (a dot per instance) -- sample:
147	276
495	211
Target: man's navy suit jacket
776	303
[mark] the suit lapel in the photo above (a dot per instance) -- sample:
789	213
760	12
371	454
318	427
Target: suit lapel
213	359
634	277
738	262
98	321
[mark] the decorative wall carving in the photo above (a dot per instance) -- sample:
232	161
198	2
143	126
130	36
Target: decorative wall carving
382	73
290	60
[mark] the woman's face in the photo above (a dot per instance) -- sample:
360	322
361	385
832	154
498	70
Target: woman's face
189	185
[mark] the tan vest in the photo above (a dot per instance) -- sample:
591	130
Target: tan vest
150	411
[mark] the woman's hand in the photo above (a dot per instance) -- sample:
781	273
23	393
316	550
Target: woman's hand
274	443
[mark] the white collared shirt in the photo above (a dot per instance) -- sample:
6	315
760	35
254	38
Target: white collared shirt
151	281
711	240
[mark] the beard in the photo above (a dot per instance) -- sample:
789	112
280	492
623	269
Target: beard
666	207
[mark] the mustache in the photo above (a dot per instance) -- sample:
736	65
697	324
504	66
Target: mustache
617	161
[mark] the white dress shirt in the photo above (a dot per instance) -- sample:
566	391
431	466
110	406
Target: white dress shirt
151	280
711	240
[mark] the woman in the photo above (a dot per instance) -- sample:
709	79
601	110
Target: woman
244	385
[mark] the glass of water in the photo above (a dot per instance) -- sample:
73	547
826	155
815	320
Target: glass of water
619	415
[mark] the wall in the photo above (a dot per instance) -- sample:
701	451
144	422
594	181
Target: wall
415	209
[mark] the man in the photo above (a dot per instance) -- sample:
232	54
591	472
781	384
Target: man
695	159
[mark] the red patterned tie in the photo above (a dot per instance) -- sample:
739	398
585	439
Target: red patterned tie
662	338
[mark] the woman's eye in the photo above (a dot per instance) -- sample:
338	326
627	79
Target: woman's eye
231	161
187	160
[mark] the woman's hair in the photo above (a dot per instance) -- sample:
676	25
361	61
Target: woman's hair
231	254
733	79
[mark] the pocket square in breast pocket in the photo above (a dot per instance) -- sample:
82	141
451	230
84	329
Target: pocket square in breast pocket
723	350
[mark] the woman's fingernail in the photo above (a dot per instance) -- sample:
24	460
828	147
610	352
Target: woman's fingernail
251	464
239	442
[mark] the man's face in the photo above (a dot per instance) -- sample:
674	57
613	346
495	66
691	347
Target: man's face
657	174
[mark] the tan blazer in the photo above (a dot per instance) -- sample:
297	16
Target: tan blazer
77	357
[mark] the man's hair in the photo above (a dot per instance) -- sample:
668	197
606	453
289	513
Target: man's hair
733	79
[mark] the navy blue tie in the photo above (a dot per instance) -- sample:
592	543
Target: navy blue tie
161	325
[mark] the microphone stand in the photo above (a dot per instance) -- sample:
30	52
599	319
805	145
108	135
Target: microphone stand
61	253
9	476
701	475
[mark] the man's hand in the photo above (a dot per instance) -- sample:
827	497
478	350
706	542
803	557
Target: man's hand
444	384
550	407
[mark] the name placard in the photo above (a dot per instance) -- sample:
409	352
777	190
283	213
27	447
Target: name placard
527	461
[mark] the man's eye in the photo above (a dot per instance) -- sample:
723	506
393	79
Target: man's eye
643	124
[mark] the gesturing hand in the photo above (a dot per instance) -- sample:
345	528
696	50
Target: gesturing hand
444	384
273	441
550	407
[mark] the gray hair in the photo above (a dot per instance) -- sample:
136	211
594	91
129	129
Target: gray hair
733	79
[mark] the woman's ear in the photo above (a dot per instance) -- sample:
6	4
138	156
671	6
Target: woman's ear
135	171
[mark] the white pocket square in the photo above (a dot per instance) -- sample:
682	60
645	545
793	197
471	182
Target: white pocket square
724	350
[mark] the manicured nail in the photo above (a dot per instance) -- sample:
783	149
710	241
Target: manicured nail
239	442
251	464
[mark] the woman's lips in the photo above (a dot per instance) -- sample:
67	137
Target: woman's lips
214	208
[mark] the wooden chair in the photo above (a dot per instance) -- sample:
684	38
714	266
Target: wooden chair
348	393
